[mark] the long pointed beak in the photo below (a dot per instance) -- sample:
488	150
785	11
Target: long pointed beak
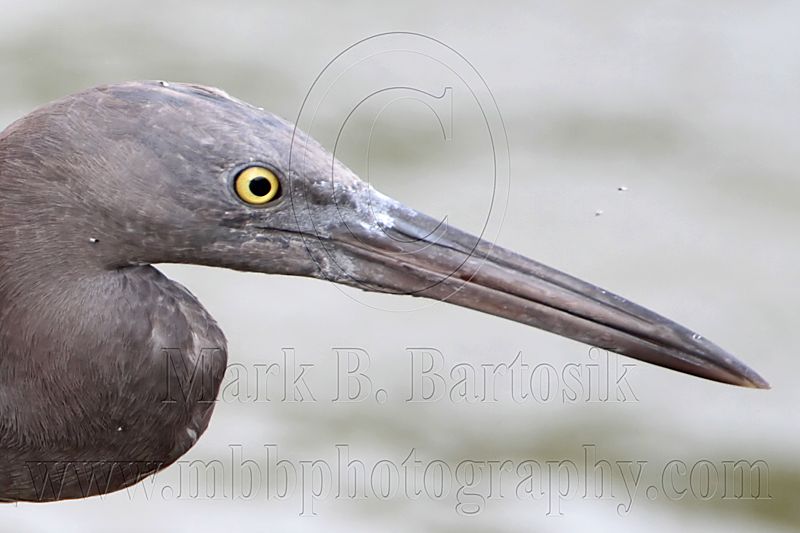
406	252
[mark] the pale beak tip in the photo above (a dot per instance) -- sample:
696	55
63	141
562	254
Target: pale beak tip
747	377
754	381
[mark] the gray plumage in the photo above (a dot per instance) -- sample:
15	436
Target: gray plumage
96	346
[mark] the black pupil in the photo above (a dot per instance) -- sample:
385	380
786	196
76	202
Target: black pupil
260	186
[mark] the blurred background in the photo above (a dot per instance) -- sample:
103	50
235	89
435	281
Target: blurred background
653	151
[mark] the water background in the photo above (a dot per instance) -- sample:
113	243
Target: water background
692	107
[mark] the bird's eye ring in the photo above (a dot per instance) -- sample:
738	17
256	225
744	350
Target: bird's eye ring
257	185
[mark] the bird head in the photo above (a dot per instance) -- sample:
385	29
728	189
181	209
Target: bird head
142	173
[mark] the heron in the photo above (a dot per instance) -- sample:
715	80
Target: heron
99	186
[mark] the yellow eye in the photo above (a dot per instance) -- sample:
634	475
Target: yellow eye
257	185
